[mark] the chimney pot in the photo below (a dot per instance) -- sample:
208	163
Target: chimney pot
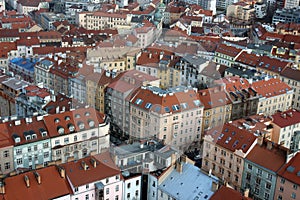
179	167
38	177
27	182
2	188
62	172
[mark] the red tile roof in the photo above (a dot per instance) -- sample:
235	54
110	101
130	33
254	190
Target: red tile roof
250	59
75	118
5	139
228	193
228	50
272	64
78	176
270	88
28	42
286	118
291	170
213	97
232	138
270	158
291	73
52	185
164	103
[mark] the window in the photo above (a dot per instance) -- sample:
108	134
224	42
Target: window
35	147
117	188
282	181
45	145
19	161
107	190
137	182
281	189
46	154
293	195
86	197
6	154
279	197
249	167
153	184
19	151
268	186
87	186
117	197
29	149
267	195
295	187
259	172
7	165
258	180
136	193
76	189
248	176
66	140
128	185
269	177
128	195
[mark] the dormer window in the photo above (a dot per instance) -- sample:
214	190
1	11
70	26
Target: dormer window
77	116
67	118
71	127
81	125
43	132
17	138
91	123
87	114
60	130
56	120
27	135
33	136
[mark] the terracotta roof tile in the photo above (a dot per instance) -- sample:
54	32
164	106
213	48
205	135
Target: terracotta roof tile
228	193
291	73
232	138
250	59
291	170
78	176
270	88
228	50
213	97
272	159
52	185
286	118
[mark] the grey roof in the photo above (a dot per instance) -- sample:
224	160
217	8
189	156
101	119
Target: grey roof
189	185
15	84
264	47
194	60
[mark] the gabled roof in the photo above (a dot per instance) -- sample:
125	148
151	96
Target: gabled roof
228	50
291	170
248	59
272	64
271	87
286	118
291	73
73	121
232	138
78	176
52	185
213	97
228	193
272	158
173	100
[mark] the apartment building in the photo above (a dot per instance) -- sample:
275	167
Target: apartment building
291	77
31	142
287	182
96	84
23	68
173	115
117	98
243	98
291	4
144	156
10	89
6	152
286	129
291	15
111	58
224	150
225	55
273	95
272	66
25	7
132	187
90	179
42	71
260	169
240	11
217	107
101	20
77	134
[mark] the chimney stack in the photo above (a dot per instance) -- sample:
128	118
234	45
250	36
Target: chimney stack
214	186
269	145
26	179
246	193
260	140
62	172
2	187
84	165
38	177
179	167
94	162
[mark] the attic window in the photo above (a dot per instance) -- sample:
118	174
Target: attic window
56	120
157	109
71	127
60	130
81	125
290	169
91	123
87	114
138	101
16	138
175	107
77	116
184	106
167	109
148	105
197	102
67	118
43	132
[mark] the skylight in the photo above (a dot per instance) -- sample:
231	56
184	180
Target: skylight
175	107
197	102
184	106
138	101
148	105
167	109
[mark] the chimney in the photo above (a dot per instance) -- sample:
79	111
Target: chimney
173	158
150	55
38	177
2	187
62	172
246	193
269	145
260	140
141	144
214	186
84	165
94	162
179	167
26	179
